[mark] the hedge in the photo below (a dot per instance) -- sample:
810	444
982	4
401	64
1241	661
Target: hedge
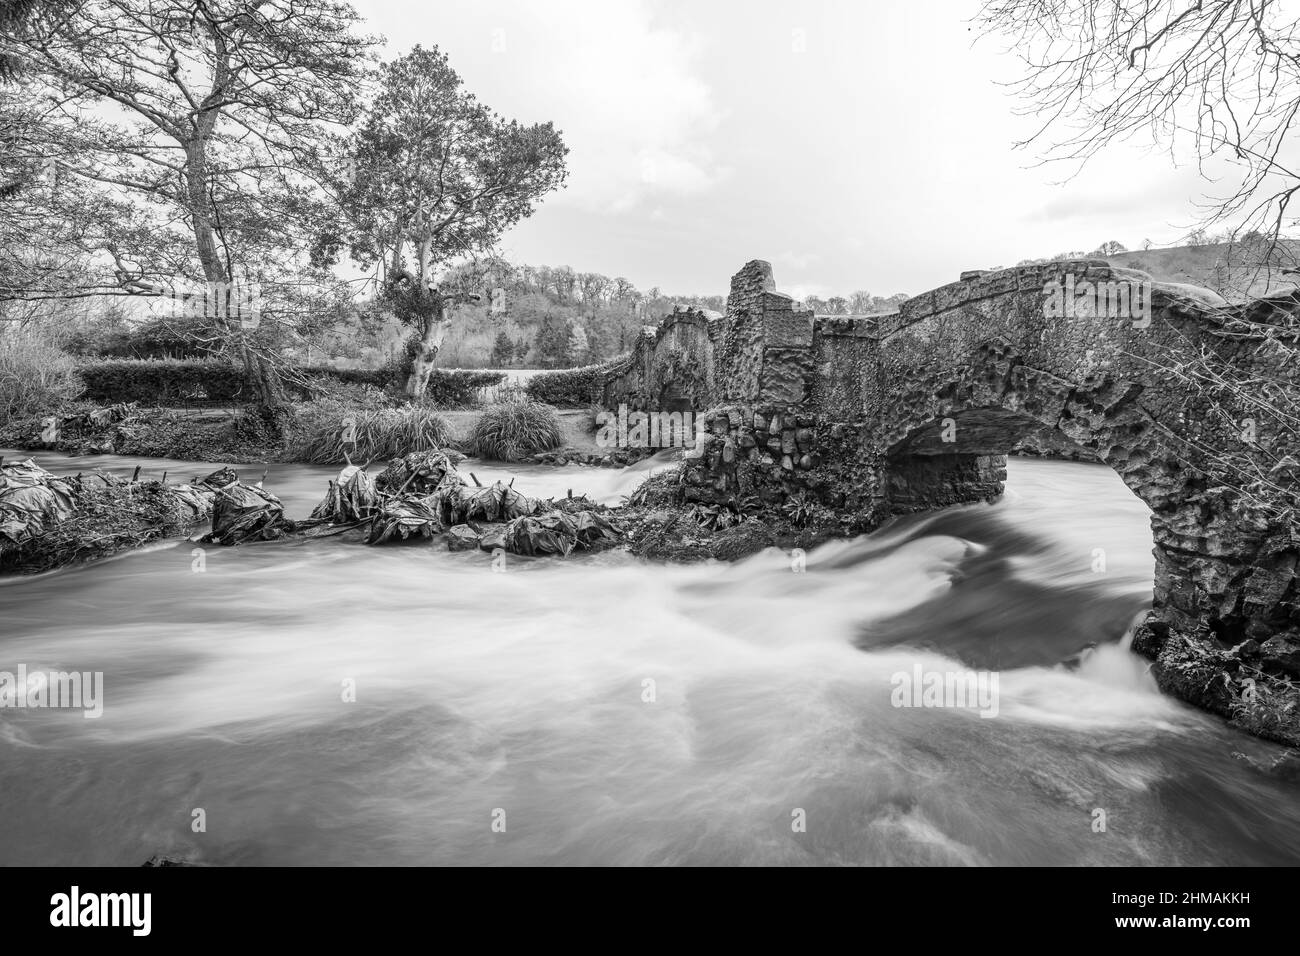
161	381
192	381
572	388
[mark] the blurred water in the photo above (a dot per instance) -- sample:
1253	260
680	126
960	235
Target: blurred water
526	692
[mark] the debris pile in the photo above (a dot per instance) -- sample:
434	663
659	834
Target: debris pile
423	494
31	500
351	498
47	522
558	533
85	430
243	512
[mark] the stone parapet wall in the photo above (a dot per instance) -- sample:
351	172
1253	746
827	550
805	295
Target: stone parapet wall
983	286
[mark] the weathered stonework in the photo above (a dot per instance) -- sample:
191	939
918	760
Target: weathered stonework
914	410
671	367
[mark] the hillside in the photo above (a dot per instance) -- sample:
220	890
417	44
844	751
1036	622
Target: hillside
1230	269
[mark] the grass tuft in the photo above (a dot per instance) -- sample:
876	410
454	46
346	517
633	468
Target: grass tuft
322	431
513	430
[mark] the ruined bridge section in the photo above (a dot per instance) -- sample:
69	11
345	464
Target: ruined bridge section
883	415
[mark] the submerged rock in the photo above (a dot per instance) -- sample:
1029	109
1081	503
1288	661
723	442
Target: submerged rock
462	538
742	540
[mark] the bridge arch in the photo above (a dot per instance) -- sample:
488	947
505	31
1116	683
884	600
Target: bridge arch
854	410
988	359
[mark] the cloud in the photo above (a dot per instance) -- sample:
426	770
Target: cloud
797	260
621	87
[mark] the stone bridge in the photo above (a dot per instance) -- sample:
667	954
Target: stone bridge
884	415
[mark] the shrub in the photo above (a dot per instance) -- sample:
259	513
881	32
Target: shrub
35	377
326	387
448	388
511	431
317	431
374	377
571	388
1265	705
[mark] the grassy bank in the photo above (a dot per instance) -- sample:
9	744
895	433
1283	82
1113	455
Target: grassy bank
314	435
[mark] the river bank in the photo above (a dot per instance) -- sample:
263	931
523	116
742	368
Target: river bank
234	436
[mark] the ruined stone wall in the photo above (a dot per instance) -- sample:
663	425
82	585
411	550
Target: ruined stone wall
787	425
672	367
767	344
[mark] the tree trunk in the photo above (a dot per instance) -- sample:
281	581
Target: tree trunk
430	342
260	374
432	319
205	233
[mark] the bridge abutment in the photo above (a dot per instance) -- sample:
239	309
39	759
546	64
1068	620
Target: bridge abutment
927	482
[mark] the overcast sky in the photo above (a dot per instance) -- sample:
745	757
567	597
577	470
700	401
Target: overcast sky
854	145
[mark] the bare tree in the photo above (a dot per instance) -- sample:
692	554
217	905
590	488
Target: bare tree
1220	77
1107	249
566	281
860	302
594	287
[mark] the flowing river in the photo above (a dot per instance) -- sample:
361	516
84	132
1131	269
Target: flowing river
602	710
